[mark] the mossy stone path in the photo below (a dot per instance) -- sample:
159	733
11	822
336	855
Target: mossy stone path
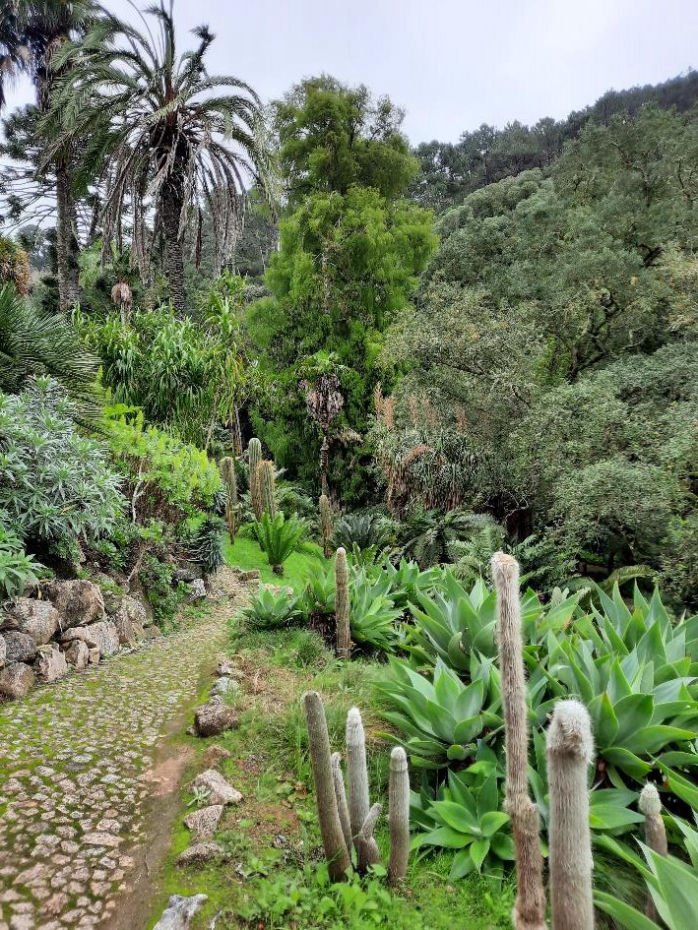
76	762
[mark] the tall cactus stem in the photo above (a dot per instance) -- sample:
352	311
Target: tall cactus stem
368	853
342	609
357	772
655	832
267	487
341	795
254	454
325	524
399	816
570	751
529	907
336	852
229	479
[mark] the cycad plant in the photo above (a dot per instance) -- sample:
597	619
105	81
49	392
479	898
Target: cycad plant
278	537
173	135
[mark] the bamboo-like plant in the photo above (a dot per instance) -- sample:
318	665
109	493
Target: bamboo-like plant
229	479
254	457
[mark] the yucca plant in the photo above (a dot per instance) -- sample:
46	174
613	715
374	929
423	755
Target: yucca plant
278	537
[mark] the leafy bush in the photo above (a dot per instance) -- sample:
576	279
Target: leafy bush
163	595
270	611
55	483
278	537
17	569
166	478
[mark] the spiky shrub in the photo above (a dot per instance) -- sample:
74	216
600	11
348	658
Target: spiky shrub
570	751
325	524
279	537
254	457
342	610
336	852
207	545
229	479
529	908
267	486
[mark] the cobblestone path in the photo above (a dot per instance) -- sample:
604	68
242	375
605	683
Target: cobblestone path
74	787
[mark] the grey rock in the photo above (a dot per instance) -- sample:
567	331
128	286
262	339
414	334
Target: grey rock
3	652
226	667
95	655
187	573
204	822
128	630
152	632
78	601
77	654
16	681
199	852
102	635
213	718
179	912
224	685
38	619
219	790
197	590
51	664
19	647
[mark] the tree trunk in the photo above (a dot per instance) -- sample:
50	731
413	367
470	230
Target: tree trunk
66	243
324	464
174	253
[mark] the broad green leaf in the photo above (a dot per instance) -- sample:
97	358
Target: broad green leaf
625	915
478	852
493	821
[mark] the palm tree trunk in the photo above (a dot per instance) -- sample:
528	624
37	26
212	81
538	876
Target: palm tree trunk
66	250
174	253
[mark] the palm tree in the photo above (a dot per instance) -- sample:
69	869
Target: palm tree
174	135
31	32
33	343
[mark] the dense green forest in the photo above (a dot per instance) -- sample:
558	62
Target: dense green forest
274	333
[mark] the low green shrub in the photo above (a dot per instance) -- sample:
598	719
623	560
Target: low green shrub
17	569
269	610
162	593
278	537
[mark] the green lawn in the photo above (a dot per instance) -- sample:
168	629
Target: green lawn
246	554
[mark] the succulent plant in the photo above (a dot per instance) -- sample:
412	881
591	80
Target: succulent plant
229	479
325	524
342	605
254	454
399	816
267	486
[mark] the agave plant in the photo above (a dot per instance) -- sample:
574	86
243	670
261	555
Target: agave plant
278	537
442	718
270	611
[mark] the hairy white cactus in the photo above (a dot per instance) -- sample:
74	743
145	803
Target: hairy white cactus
399	816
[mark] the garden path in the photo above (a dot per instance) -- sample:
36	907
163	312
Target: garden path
82	763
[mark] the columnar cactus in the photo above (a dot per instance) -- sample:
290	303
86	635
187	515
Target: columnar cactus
570	751
325	524
399	816
267	487
655	832
354	822
357	771
229	479
254	454
342	606
336	852
529	908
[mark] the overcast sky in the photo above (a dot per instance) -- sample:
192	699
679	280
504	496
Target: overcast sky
451	64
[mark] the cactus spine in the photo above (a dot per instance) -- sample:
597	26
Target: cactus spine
399	816
570	750
655	832
342	612
529	908
336	851
325	524
229	479
267	487
357	773
254	455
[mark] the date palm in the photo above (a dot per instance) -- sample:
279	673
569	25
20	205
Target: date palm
174	135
